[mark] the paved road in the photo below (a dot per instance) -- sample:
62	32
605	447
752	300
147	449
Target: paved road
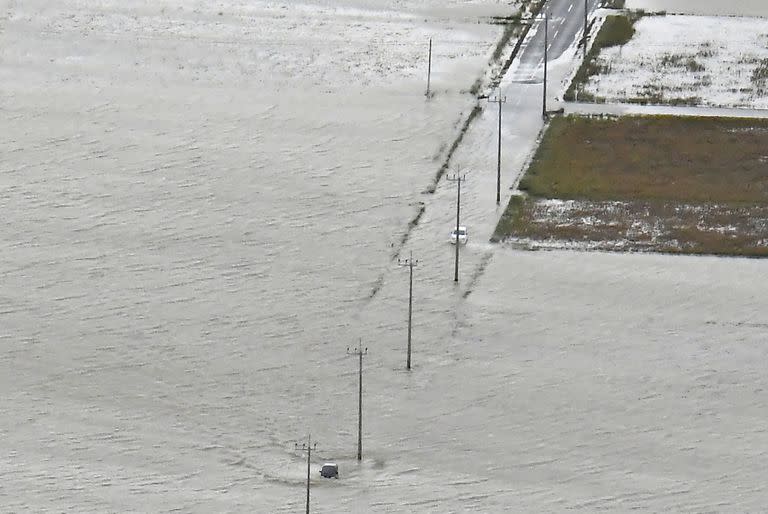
522	85
566	27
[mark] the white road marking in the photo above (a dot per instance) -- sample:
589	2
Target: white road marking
570	7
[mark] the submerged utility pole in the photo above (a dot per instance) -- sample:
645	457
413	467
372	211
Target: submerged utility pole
546	44
411	264
458	178
359	351
308	448
429	67
500	100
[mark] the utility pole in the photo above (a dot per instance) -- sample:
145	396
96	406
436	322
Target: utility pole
458	178
308	448
546	44
429	67
500	100
585	28
359	351
411	264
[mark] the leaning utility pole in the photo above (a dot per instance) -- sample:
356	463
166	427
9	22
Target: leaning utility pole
411	264
500	100
429	67
308	448
546	43
458	178
359	351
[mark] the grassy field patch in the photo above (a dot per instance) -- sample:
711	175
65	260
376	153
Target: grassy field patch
760	77
686	62
662	183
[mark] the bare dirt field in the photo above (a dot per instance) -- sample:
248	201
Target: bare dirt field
662	183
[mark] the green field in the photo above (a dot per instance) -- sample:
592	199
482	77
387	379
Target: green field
663	183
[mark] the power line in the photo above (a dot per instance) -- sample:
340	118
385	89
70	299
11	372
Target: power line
500	100
586	28
429	67
359	351
308	448
546	41
458	178
411	264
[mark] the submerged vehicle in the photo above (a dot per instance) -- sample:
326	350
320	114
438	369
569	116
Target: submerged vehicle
329	470
461	236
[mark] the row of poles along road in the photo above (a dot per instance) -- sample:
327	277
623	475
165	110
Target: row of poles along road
411	263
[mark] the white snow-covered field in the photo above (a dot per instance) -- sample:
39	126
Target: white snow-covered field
703	7
708	61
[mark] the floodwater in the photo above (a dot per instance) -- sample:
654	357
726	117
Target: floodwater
189	251
703	7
